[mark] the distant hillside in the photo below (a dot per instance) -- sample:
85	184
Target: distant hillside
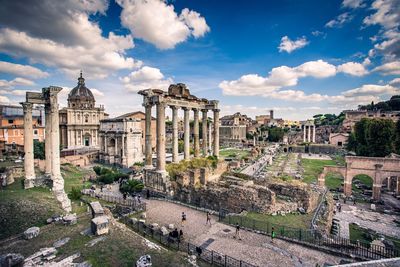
389	105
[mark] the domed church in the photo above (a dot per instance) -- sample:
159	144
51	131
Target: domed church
80	121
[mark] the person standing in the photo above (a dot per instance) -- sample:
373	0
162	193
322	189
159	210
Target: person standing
237	232
208	218
273	234
183	219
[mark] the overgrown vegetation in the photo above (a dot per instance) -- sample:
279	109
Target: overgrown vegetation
75	194
367	236
375	138
392	104
275	134
174	169
38	149
131	186
107	175
328	119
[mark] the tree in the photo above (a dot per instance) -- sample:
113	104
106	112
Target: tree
351	143
397	138
380	136
275	134
131	186
38	150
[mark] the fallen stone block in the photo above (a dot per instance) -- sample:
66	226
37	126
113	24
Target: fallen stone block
70	219
99	225
11	259
31	232
61	242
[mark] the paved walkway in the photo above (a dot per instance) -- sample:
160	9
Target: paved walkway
253	248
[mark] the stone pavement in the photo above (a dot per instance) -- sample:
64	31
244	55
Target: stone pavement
253	248
379	222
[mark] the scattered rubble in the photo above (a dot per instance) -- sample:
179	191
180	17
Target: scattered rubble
31	232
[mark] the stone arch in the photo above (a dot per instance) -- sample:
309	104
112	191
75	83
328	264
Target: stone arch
331	169
366	182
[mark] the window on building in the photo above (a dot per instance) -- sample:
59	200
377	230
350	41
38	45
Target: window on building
10	121
35	132
86	118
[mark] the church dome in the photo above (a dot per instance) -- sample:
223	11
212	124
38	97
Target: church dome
81	96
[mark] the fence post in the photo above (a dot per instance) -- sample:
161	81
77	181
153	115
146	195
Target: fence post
212	256
225	261
240	263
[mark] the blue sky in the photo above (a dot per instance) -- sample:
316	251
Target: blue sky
297	57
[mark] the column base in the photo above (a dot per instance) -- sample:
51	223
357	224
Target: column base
29	183
149	167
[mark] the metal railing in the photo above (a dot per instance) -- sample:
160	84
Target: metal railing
315	238
209	256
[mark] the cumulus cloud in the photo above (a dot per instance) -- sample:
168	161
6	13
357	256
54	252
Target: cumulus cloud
353	3
145	78
395	82
22	70
387	16
372	89
157	22
283	76
16	82
339	20
391	68
289	46
4	100
68	40
353	68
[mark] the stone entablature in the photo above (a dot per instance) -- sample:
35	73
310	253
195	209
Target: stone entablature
177	97
120	141
377	168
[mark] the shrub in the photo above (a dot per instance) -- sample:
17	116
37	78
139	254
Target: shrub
132	186
75	194
97	170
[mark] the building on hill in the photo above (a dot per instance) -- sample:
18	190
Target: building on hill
338	139
120	141
353	116
265	119
139	115
12	125
233	128
80	120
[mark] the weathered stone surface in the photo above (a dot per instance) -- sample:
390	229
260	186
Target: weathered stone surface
97	209
44	255
61	242
143	215
70	219
171	226
99	225
31	232
154	225
164	230
11	259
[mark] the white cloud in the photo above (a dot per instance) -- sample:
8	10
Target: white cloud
22	70
353	3
339	20
283	76
145	78
372	89
387	15
391	68
289	46
353	68
4	100
157	22
16	82
395	82
67	40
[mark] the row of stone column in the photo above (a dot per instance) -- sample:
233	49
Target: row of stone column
52	146
160	129
307	135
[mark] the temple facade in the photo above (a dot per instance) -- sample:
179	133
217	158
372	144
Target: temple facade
80	121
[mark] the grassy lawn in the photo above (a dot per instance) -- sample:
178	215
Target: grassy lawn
313	167
73	177
120	248
239	153
367	236
333	180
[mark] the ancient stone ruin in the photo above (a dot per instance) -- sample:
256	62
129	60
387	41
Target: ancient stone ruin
178	96
48	98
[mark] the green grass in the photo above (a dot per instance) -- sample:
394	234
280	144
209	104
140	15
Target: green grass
239	153
313	167
367	236
333	180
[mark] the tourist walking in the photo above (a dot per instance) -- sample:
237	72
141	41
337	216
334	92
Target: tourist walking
237	232
208	218
273	234
183	219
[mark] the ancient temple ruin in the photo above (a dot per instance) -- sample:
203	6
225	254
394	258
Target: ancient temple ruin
48	98
178	96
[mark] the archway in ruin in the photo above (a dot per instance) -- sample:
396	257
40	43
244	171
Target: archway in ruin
362	185
376	168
